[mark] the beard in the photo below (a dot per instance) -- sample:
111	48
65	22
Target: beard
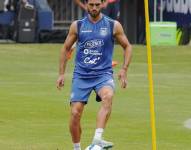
94	14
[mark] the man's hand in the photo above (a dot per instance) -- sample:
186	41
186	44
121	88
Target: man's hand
60	82
122	76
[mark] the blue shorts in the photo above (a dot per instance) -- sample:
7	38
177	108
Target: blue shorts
82	87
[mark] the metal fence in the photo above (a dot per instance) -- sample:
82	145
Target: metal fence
65	11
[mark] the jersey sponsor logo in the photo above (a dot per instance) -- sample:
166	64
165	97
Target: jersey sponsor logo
86	31
92	52
94	61
94	43
103	31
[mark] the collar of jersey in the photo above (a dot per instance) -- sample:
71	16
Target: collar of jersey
96	21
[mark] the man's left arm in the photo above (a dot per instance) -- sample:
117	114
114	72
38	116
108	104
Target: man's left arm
123	41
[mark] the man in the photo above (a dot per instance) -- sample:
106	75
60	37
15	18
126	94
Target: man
95	35
109	8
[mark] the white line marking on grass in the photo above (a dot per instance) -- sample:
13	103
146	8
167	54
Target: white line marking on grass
187	124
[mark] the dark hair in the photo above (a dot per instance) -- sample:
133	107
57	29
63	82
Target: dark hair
101	1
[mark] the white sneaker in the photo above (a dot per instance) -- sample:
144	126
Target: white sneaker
104	144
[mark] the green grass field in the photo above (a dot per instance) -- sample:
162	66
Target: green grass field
34	114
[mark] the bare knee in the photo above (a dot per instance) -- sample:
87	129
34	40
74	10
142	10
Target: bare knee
107	102
76	114
107	96
106	93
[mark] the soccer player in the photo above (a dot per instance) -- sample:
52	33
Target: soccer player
95	35
111	9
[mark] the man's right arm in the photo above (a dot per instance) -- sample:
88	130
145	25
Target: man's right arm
70	40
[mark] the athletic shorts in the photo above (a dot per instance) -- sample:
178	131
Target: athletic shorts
82	87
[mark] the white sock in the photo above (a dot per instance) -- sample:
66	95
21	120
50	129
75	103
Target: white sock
98	133
77	146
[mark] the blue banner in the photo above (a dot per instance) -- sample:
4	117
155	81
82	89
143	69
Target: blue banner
173	10
177	10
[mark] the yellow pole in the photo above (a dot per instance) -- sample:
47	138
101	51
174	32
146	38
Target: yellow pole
149	55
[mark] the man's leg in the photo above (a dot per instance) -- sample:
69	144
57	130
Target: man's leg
75	127
98	98
106	94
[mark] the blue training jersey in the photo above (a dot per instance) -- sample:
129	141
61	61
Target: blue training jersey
94	48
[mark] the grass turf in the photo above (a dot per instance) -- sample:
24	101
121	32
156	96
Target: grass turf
34	114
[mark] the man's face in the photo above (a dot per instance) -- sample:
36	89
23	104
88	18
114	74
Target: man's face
94	7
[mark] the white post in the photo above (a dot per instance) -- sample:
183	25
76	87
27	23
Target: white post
161	10
155	10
